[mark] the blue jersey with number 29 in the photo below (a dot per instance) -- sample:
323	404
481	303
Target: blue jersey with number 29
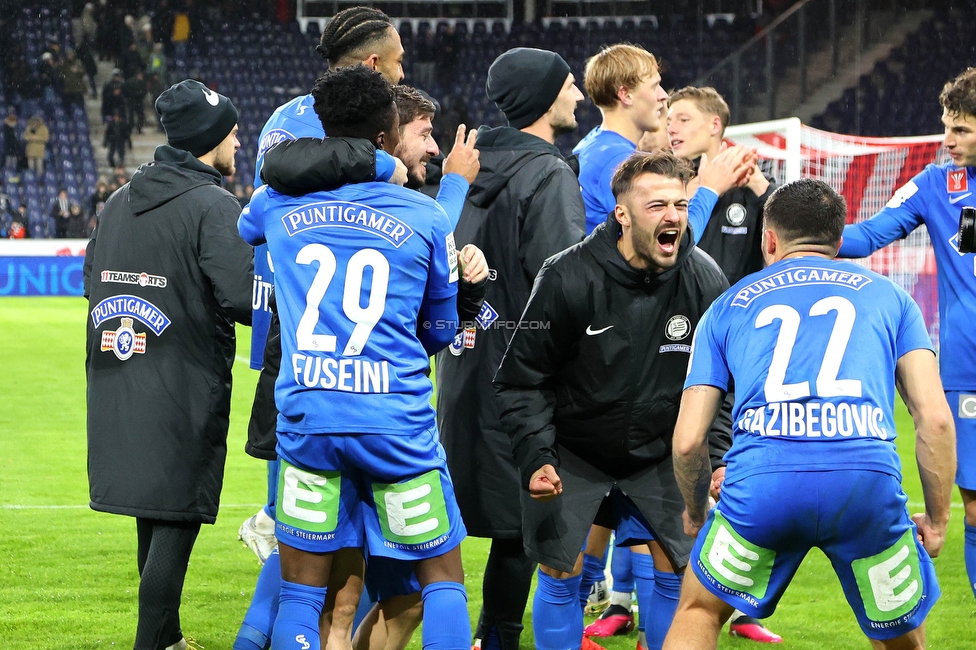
812	346
352	269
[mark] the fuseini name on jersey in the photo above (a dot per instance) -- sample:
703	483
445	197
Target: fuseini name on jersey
349	375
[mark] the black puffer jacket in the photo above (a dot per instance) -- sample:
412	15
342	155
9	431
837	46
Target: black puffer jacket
603	377
524	206
167	276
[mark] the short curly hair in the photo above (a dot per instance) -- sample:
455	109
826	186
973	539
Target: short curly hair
958	96
354	102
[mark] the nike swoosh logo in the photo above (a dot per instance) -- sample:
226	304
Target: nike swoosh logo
956	199
212	98
593	332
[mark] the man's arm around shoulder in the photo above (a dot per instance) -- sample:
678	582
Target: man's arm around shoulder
935	447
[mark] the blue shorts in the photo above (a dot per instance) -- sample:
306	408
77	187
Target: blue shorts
389	494
386	578
755	539
963	407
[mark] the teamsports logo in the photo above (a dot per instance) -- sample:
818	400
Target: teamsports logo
142	279
124	342
957	181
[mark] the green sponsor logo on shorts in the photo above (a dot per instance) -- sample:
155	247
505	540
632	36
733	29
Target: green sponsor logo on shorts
734	562
412	512
891	581
308	500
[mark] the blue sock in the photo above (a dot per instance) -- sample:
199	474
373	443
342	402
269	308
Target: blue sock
970	552
664	602
269	508
259	620
446	622
557	618
620	569
593	571
643	570
297	625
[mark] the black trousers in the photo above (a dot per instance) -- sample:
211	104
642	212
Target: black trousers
164	554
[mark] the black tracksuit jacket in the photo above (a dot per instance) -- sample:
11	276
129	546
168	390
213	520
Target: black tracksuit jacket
599	363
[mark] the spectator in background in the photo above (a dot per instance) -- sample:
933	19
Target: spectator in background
12	149
425	64
49	78
77	228
36	136
87	59
116	135
131	62
98	199
156	71
112	97
181	30
84	28
121	176
18	224
144	42
72	73
7	211
61	213
134	91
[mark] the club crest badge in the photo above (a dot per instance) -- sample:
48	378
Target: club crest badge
677	328
736	214
457	345
957	181
486	316
124	342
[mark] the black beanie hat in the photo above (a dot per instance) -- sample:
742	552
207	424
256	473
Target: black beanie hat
195	118
524	83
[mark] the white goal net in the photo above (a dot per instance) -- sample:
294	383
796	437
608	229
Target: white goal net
866	171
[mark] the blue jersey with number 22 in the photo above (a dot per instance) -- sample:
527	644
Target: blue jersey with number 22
812	346
352	269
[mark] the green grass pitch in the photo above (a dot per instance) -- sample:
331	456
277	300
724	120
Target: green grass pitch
68	575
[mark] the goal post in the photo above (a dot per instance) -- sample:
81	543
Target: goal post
866	172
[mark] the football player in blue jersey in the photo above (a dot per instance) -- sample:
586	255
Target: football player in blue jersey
353	36
360	462
624	81
934	198
815	348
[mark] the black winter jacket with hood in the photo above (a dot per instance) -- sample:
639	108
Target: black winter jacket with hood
524	206
166	275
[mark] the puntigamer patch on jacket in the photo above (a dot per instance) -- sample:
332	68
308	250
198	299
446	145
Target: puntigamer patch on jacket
132	306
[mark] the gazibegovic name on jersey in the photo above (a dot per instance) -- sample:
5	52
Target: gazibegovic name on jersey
814	384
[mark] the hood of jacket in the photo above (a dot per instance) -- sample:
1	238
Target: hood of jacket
504	151
172	173
602	245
